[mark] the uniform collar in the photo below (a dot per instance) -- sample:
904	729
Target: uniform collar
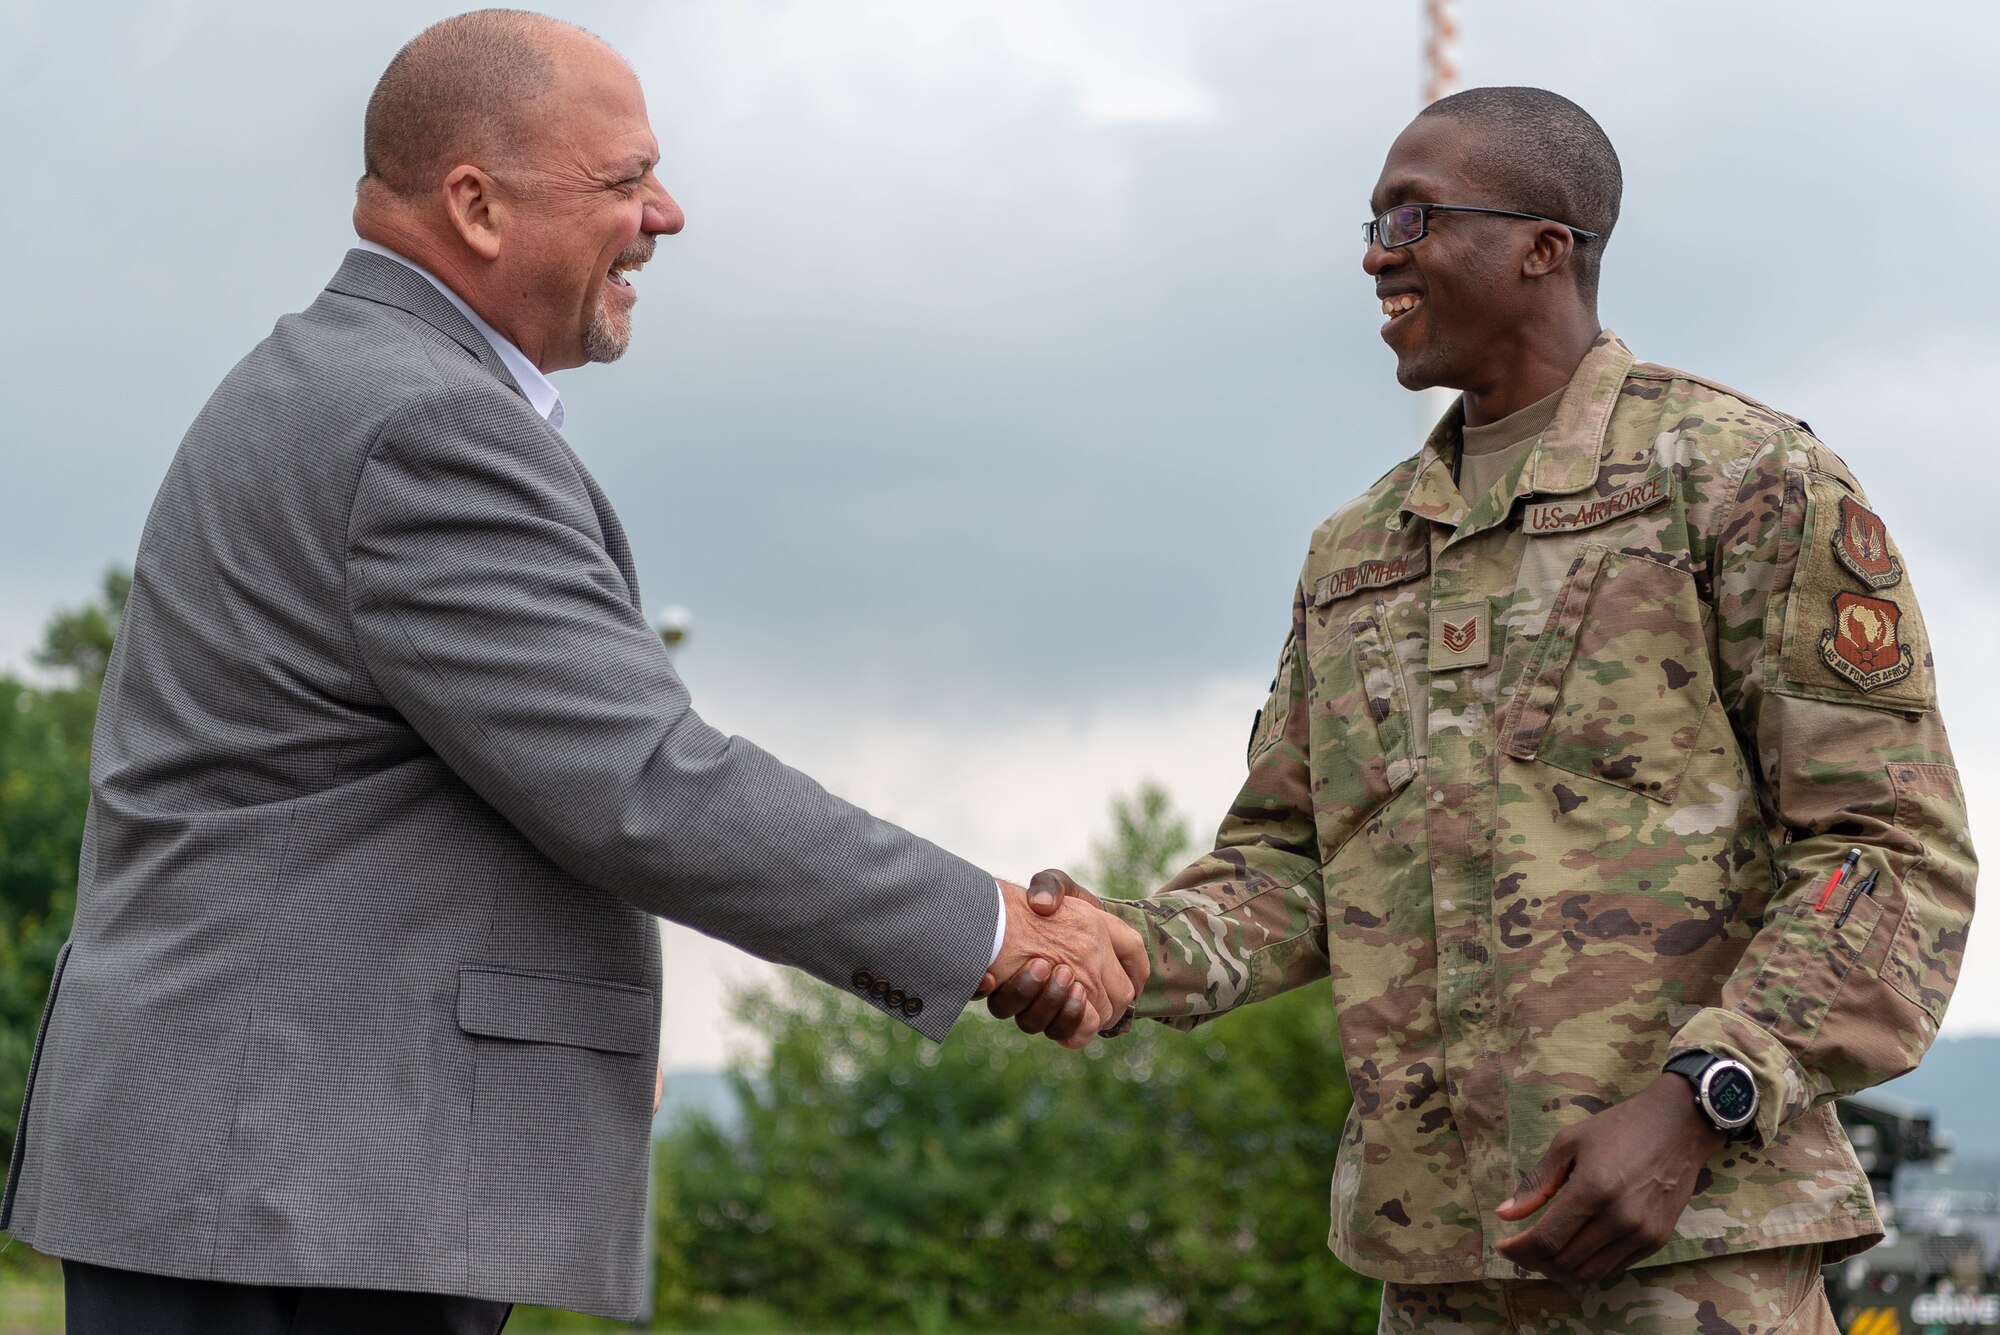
1574	450
1568	457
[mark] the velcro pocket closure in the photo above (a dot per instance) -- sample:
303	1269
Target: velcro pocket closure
547	1008
1526	717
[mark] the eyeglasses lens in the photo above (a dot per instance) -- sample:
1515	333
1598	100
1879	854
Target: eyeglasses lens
1400	226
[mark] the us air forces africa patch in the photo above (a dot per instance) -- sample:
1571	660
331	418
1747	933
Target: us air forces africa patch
1862	545
1862	646
1844	643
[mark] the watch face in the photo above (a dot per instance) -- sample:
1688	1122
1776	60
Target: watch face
1732	1094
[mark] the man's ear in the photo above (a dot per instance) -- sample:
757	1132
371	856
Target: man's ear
1554	247
476	211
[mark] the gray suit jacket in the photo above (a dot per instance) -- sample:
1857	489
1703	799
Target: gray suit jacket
389	772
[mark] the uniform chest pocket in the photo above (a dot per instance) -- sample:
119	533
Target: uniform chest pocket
1360	715
1618	686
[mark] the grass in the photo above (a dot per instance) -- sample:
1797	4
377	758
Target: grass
31	1293
31	1303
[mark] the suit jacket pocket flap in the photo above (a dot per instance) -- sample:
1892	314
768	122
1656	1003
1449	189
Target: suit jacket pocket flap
539	1008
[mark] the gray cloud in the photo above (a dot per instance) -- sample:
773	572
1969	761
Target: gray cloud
1034	339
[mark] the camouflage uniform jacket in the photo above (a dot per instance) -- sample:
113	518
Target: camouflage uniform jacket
1671	671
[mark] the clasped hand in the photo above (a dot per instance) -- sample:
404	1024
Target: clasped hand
1078	967
1069	970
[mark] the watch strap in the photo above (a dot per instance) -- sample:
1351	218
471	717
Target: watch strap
1691	1064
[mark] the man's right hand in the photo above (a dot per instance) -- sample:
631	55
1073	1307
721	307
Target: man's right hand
1081	969
1041	996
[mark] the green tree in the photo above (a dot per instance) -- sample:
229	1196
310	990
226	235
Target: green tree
77	640
44	790
1155	1181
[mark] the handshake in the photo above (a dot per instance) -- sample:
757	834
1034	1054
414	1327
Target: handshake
1066	967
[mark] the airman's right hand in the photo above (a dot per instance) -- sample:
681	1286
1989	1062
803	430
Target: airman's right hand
1042	995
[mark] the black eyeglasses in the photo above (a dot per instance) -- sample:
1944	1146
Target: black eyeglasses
1412	222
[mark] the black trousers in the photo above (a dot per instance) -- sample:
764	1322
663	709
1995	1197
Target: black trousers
102	1301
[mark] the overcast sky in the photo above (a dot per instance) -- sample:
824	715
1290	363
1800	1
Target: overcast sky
1014	348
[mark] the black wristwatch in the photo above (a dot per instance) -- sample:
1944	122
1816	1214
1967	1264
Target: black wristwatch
1724	1089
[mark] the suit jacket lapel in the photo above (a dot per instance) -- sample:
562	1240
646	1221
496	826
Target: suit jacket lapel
374	278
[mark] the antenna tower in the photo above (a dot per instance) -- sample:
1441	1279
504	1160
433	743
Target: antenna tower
1440	49
1440	80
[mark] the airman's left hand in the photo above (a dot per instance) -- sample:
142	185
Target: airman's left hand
1614	1184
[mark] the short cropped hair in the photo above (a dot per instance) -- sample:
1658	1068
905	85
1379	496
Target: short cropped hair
1544	154
460	91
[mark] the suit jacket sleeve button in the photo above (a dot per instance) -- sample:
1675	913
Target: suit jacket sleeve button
880	989
863	979
896	998
913	1007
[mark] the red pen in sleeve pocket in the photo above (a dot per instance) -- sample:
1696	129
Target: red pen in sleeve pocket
1841	873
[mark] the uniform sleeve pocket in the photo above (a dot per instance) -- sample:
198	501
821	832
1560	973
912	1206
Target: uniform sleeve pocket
1859	1028
1810	966
542	1008
1937	891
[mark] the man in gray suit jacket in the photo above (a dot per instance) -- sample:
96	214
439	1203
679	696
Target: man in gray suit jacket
358	1023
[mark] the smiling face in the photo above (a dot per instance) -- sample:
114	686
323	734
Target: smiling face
1498	307
509	155
582	208
573	210
1454	297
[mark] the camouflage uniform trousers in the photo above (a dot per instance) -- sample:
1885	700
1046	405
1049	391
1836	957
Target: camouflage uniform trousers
1776	1292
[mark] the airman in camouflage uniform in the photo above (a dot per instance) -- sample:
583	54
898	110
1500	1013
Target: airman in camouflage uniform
1550	785
1601	841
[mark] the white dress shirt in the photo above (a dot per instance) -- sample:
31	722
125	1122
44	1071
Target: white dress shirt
544	399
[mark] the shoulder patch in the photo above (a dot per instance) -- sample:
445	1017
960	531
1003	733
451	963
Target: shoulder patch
1861	543
1845	639
1863	645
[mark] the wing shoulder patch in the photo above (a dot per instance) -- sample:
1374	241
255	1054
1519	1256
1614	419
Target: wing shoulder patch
1861	544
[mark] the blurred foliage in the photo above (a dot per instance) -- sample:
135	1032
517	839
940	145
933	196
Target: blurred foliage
44	790
77	640
1161	1181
